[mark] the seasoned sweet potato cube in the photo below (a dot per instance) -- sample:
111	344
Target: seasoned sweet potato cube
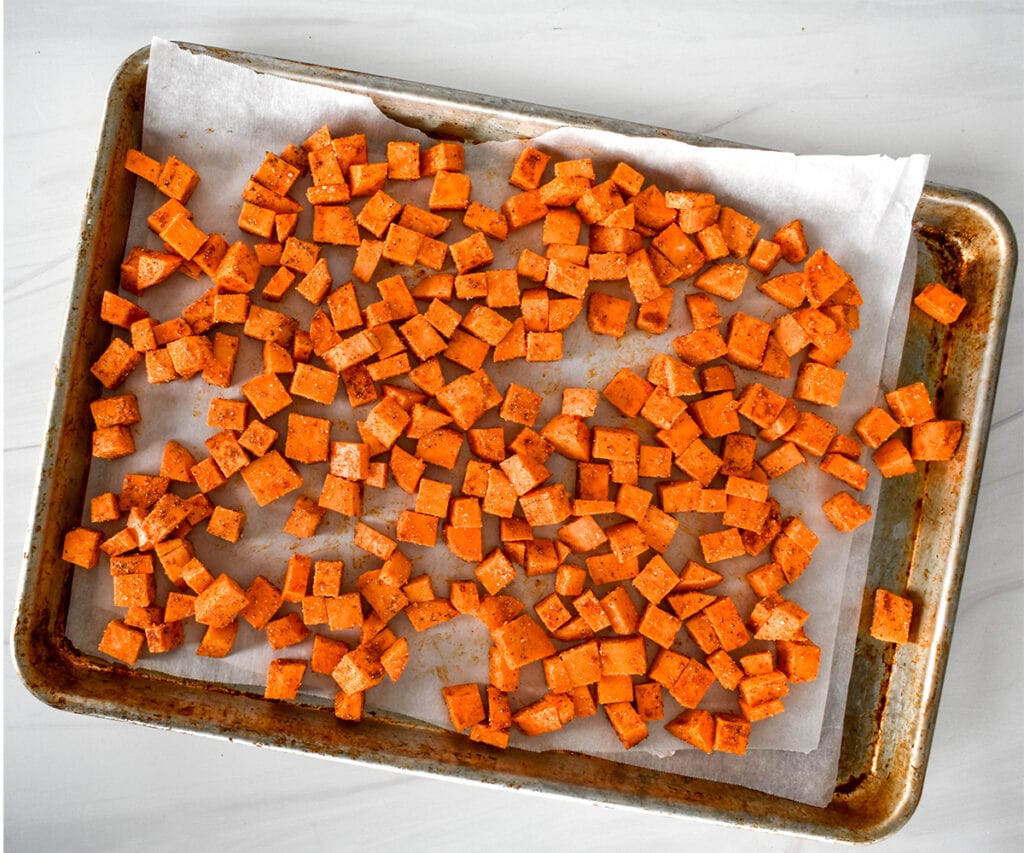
891	616
824	277
818	383
875	427
81	547
284	677
270	477
522	641
465	705
628	724
696	727
935	440
446	156
940	303
450	191
221	602
692	684
845	513
628	392
122	642
798	660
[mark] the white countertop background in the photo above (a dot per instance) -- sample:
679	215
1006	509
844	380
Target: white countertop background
946	79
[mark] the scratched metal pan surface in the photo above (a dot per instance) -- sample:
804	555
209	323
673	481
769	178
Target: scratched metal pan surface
961	239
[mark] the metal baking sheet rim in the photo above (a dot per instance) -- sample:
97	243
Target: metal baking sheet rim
894	693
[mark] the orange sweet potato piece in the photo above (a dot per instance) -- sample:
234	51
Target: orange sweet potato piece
891	617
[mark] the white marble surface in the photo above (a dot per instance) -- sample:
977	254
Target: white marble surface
901	77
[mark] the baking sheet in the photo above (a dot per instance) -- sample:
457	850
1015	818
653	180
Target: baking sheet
229	144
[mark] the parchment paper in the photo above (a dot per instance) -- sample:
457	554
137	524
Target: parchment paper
221	118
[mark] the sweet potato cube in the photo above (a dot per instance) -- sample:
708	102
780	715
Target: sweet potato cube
447	156
416	527
590	609
811	433
850	472
623	655
546	505
818	383
82	546
177	180
221	602
395	657
891	616
570	580
314	610
164	637
659	626
699	462
522	641
349	706
696	727
264	600
628	724
566	277
845	513
529	168
765	256
582	534
875	426
666	667
134	590
692	684
122	642
495	572
327	652
308	438
935	440
523	209
344	612
538	718
115	364
798	660
226	524
267	394
582	663
700	346
465	705
314	383
766	579
940	303
287	630
552	612
725	280
824	277
893	459
217	641
270	477
727	623
910	404
450	191
520	405
358	671
623	617
368	255
482	218
257	438
746	340
284	676
628	392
